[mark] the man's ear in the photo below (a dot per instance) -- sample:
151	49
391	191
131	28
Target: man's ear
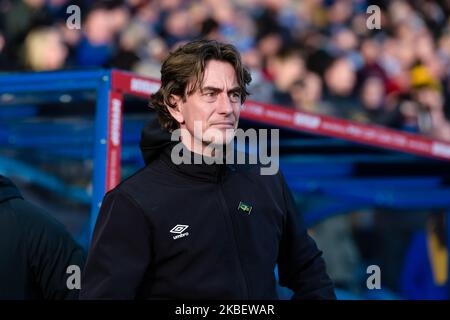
175	112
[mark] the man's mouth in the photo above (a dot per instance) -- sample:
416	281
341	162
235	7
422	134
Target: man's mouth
223	125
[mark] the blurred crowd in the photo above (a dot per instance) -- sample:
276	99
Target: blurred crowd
312	55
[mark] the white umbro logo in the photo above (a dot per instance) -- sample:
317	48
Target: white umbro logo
178	229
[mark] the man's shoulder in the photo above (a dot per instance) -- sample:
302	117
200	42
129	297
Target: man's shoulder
137	183
144	187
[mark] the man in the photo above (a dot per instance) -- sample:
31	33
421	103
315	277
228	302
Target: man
35	251
202	231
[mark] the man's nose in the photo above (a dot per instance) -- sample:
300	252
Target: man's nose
225	105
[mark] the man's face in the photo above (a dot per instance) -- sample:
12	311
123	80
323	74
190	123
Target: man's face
214	107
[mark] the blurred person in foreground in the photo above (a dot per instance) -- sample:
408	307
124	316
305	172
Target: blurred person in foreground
35	250
206	230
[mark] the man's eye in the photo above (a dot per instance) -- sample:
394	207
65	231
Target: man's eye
235	96
210	94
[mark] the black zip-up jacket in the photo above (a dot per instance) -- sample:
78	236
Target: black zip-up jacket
35	250
201	232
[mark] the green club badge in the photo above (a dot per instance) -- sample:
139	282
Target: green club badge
244	207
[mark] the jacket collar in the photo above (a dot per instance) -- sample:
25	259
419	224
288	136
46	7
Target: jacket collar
202	171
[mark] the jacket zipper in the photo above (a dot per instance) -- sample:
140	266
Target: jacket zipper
225	207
